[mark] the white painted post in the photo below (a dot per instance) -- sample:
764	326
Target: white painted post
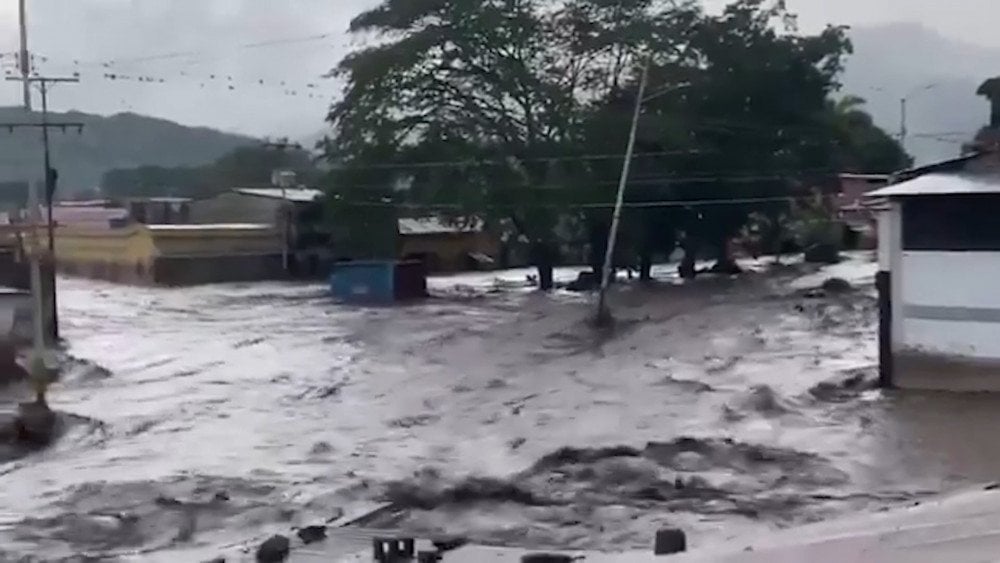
895	258
884	241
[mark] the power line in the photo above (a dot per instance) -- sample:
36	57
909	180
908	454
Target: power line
111	73
656	181
174	55
477	162
580	205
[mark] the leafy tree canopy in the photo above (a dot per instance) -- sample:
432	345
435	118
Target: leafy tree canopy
519	110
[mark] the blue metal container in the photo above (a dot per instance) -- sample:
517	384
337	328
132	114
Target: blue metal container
370	281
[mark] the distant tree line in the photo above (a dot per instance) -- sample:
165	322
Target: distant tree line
249	166
518	111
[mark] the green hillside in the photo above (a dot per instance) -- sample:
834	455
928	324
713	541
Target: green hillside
123	140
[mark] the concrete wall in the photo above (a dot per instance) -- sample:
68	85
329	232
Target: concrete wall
127	247
945	314
951	303
171	255
196	270
207	240
15	316
13	273
235	208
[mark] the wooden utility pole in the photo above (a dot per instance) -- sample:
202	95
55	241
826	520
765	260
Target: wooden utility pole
51	175
24	58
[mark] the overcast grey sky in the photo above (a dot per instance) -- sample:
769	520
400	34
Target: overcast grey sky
219	84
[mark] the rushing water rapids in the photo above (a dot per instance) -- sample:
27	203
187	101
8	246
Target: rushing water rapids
206	416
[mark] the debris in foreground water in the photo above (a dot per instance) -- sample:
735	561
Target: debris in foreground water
274	550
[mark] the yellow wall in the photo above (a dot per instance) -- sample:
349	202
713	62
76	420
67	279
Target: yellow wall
139	244
128	245
216	241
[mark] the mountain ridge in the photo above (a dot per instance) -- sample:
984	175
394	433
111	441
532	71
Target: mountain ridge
120	140
897	60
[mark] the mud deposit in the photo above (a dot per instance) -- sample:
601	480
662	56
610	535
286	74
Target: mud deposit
208	416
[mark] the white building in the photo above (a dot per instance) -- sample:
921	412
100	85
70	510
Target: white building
939	281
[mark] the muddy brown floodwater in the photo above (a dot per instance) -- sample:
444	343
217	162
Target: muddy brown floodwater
203	417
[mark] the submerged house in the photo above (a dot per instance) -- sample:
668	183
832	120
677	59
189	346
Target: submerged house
939	270
294	213
448	246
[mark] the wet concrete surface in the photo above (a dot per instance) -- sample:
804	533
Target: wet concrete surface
203	417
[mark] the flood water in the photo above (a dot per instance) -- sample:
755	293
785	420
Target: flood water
204	417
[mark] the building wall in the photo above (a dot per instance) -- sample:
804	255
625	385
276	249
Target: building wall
945	314
215	241
449	252
14	273
852	190
130	245
15	316
184	256
951	303
198	270
232	207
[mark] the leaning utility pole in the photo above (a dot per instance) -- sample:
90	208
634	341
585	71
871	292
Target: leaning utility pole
24	58
50	177
603	315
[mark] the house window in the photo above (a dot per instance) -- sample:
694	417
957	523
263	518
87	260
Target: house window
952	223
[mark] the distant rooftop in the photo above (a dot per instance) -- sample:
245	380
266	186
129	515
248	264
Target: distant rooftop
951	165
864	177
437	226
211	226
84	216
299	195
941	184
159	199
87	203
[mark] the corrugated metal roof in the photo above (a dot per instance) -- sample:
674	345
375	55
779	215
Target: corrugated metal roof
941	184
215	226
865	177
437	226
87	203
300	195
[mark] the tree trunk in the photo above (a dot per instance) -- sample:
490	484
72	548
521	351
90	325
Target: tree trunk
726	264
543	258
779	242
688	269
646	267
546	277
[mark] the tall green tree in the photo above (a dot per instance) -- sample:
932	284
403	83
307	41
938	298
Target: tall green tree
755	117
500	88
505	108
861	145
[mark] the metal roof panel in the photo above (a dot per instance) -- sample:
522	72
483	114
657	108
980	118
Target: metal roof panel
941	184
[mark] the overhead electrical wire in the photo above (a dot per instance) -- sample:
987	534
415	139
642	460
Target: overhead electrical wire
200	54
630	205
111	73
